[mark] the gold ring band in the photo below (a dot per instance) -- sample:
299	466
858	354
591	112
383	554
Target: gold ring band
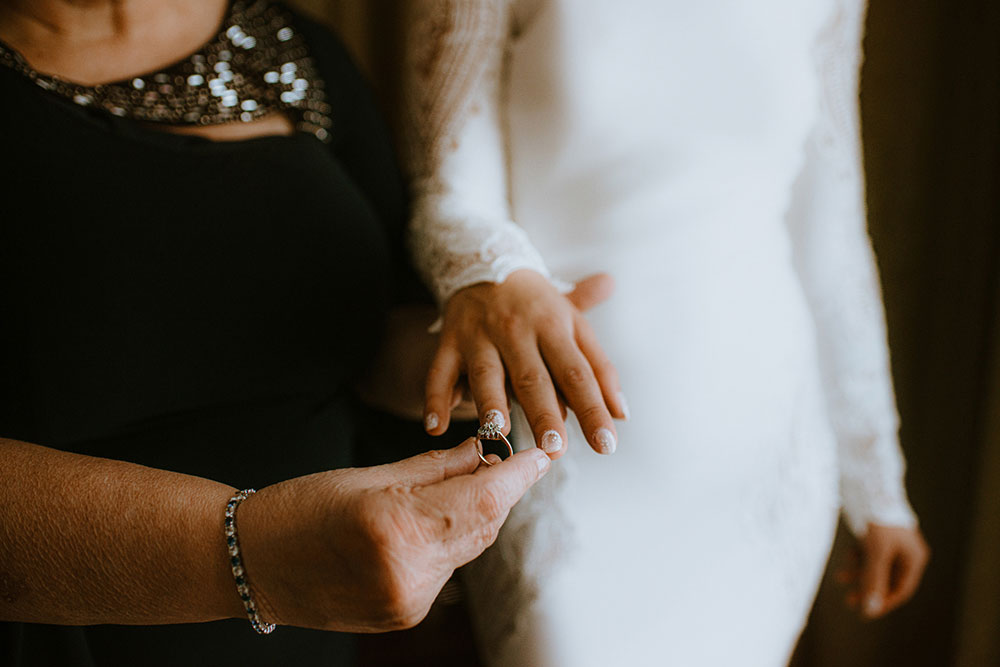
490	431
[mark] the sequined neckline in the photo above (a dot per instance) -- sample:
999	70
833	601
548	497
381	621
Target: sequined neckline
257	65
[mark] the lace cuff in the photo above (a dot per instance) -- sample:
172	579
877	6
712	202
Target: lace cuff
875	493
453	251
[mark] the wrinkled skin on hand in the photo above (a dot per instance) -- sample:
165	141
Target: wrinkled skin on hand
368	549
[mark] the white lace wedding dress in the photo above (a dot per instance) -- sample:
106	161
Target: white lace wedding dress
707	155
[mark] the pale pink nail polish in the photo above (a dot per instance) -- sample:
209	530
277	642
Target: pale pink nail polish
873	604
551	442
543	463
605	441
495	417
431	421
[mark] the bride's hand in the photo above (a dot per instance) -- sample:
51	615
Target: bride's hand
525	332
885	570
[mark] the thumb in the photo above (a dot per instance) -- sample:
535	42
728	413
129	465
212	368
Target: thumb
487	496
875	574
430	467
591	291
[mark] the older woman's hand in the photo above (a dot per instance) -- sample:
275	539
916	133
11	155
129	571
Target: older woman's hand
368	549
525	332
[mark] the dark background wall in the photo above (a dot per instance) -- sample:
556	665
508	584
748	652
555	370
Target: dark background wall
931	116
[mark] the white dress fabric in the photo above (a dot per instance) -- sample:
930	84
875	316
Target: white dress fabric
707	155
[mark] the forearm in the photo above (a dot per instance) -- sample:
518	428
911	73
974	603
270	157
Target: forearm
840	280
85	540
833	255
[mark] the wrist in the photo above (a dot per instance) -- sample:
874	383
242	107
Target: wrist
256	609
227	603
256	571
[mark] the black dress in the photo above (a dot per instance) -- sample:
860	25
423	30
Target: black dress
196	306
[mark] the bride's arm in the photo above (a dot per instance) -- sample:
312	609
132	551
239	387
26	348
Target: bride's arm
461	232
503	318
835	260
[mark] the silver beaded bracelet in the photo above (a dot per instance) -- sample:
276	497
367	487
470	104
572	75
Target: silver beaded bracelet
236	560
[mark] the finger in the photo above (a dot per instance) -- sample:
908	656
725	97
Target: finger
439	389
457	394
578	385
604	370
463	409
487	382
874	588
533	388
849	571
476	505
493	460
430	467
907	573
591	291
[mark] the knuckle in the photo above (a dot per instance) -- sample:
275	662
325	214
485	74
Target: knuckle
400	520
530	379
592	413
510	325
395	528
409	619
435	455
448	342
487	536
481	371
403	608
576	375
489	504
553	324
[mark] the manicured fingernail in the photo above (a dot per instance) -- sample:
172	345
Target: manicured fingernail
431	421
605	439
542	461
873	604
624	405
552	442
496	417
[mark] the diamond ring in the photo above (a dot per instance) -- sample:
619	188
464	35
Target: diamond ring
490	431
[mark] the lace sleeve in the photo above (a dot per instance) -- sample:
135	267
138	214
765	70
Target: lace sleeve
461	232
835	260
